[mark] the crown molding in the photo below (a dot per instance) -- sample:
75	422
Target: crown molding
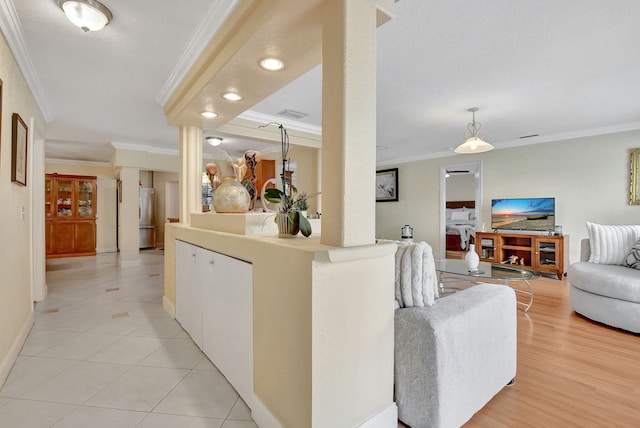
288	123
213	20
584	133
144	148
78	162
12	30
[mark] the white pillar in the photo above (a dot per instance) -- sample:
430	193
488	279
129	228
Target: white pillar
348	123
190	194
38	238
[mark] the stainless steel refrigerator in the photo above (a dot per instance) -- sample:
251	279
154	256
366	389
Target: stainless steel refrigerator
147	217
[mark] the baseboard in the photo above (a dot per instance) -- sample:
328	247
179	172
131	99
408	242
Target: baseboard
262	416
12	355
388	418
169	307
106	250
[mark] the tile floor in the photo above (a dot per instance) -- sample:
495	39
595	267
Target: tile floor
104	353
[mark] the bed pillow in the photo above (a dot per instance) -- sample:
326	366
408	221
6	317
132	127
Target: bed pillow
633	258
610	245
472	213
460	216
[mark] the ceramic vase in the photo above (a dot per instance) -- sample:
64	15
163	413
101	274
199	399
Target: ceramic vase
471	259
231	197
286	228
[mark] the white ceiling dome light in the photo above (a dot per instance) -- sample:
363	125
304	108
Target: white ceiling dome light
214	141
473	143
89	15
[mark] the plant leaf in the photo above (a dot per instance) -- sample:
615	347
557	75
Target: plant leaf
305	226
273	195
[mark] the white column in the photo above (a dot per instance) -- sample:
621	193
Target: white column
190	194
348	123
38	238
129	222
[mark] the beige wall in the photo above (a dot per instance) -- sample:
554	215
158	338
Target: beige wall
589	177
306	159
105	203
461	187
16	264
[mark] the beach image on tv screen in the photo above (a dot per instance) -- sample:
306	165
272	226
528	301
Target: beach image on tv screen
523	214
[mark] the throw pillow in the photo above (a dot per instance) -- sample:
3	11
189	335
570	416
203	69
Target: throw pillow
610	245
460	216
633	258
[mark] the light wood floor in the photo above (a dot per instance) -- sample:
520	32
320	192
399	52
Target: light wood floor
572	372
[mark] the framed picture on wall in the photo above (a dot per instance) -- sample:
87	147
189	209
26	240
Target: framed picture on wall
387	185
19	133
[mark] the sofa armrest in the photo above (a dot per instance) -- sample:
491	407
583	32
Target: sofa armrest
452	357
585	250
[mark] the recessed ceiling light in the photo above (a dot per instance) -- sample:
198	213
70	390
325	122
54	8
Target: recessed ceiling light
232	96
209	114
271	64
214	141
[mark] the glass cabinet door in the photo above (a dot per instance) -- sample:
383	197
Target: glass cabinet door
47	198
64	203
85	199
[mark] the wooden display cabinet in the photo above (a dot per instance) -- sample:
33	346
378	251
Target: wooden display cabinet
70	215
544	253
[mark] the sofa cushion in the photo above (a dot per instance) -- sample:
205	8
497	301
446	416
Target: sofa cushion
618	282
610	245
633	258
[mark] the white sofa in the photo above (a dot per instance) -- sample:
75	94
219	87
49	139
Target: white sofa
606	293
452	356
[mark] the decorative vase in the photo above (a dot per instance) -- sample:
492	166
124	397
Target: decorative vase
471	259
231	197
286	228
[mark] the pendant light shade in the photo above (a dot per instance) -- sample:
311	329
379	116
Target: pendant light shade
88	15
473	143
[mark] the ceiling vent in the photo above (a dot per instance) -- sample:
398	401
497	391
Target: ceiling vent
292	114
529	136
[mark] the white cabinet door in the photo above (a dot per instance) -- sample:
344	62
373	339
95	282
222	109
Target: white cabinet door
228	322
189	261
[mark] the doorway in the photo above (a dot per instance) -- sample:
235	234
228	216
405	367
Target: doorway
461	191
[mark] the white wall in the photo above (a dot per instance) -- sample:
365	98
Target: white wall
589	177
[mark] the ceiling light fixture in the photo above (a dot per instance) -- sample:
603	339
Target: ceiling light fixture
232	96
89	15
473	143
209	114
214	141
271	64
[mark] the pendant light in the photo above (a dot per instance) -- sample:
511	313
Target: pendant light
473	143
89	15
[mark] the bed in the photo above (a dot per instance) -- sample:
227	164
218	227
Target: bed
460	225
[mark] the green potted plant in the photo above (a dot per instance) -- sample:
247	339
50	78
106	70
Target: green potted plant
289	219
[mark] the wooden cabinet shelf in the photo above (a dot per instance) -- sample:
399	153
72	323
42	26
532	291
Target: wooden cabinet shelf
70	215
544	253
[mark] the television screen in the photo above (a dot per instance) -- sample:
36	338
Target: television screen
523	214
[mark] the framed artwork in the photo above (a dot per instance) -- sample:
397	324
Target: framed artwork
19	132
634	190
387	185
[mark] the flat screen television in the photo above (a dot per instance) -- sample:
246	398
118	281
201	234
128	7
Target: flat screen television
536	214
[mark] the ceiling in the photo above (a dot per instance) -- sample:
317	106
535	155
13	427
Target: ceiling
553	69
